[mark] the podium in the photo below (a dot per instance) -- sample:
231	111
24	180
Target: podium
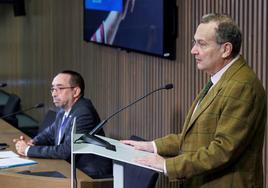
123	153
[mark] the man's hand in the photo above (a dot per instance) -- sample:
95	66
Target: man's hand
155	161
15	140
21	144
140	145
30	142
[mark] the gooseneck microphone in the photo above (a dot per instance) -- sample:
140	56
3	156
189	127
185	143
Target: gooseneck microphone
39	105
101	125
92	139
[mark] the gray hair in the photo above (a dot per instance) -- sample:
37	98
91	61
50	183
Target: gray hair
227	31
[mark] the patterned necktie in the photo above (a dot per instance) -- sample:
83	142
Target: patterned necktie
62	126
205	90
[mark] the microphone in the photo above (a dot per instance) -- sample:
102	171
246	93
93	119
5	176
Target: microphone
39	105
92	139
3	84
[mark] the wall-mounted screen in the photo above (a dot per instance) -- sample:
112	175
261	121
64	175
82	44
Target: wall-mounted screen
18	6
147	26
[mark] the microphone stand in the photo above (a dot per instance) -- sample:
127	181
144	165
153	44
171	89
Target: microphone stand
40	105
91	138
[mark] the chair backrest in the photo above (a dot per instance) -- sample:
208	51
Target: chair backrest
48	120
27	124
135	176
3	97
12	106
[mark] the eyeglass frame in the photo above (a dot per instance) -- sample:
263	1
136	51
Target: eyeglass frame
57	89
201	44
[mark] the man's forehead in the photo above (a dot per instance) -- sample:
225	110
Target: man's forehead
206	31
61	79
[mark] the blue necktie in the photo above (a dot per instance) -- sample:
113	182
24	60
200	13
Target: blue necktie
62	126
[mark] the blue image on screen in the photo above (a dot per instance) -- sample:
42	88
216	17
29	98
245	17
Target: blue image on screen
145	27
108	5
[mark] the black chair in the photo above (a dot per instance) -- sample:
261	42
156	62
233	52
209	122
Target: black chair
48	120
3	100
135	176
27	124
12	106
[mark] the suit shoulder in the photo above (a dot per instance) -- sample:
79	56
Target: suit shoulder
83	103
245	82
84	106
250	78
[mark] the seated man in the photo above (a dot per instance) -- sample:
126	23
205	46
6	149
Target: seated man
55	141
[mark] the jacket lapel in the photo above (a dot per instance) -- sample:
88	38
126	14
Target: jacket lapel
66	127
74	107
58	123
189	115
203	105
189	122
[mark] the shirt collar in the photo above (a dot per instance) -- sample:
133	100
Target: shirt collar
216	77
66	114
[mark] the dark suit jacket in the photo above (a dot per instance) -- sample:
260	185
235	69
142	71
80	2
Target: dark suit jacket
86	119
221	143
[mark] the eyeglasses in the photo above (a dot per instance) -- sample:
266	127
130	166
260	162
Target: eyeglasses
202	44
57	89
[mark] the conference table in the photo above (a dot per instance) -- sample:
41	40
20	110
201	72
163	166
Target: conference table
9	177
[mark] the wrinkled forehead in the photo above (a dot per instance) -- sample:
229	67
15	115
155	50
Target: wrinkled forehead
206	31
61	80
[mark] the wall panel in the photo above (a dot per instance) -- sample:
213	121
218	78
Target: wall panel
49	39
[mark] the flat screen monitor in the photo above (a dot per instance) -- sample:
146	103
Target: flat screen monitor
18	5
147	26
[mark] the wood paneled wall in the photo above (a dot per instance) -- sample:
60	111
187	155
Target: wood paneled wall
49	39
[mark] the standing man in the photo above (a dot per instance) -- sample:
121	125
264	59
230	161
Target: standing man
221	143
55	141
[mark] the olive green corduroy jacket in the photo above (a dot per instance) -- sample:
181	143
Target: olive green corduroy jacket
220	145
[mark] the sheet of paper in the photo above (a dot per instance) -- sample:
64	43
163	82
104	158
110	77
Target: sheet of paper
8	154
15	161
